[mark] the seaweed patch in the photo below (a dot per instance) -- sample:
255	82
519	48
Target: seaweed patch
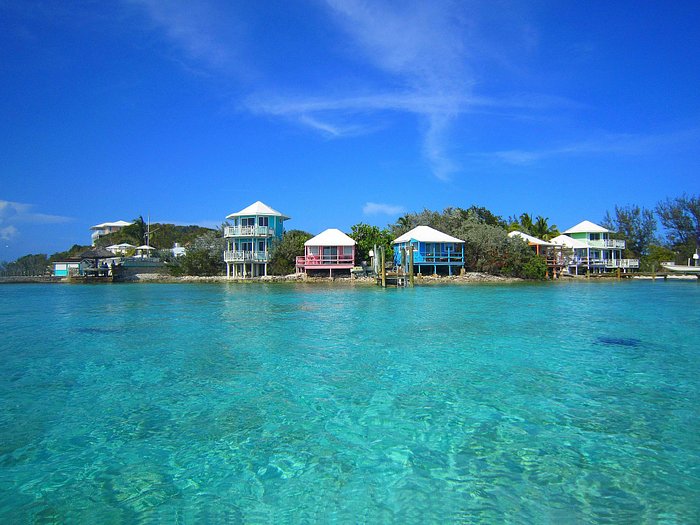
98	330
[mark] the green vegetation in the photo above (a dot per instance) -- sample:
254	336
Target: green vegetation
681	218
635	225
367	237
539	228
487	245
72	252
163	236
204	256
286	250
36	264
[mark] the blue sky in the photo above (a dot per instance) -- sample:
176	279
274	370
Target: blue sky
339	111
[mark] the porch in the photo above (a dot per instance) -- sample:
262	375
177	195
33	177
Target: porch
231	256
248	231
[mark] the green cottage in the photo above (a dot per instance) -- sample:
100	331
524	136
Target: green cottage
593	250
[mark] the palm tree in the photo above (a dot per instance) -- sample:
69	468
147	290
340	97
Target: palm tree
526	224
540	228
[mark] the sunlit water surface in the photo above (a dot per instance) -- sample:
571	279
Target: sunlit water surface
553	403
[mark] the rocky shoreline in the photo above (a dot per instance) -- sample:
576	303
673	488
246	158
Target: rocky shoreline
467	278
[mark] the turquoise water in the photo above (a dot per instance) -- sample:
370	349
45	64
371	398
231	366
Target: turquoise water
554	403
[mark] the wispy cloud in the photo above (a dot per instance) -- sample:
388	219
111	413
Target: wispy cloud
423	54
378	208
17	212
623	144
418	45
204	32
14	214
8	233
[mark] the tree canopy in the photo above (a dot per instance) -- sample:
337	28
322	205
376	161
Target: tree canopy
286	250
636	225
367	237
681	219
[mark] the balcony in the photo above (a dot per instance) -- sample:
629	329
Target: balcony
245	257
438	258
606	263
325	261
622	263
608	243
248	231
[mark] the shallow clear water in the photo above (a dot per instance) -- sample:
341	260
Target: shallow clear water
554	403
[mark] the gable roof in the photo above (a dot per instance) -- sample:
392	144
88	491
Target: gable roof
331	237
569	242
587	227
530	239
108	224
257	208
425	234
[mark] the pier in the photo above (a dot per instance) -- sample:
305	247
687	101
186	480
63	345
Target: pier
401	275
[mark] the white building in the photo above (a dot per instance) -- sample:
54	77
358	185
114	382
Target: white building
593	250
100	230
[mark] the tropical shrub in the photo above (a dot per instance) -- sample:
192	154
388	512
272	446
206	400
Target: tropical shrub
286	250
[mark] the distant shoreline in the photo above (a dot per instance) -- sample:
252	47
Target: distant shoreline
425	280
469	277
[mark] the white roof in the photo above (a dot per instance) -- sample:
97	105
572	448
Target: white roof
587	227
121	245
145	247
331	237
257	208
530	239
425	234
565	240
108	224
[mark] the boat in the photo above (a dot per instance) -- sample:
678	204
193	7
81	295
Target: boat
681	268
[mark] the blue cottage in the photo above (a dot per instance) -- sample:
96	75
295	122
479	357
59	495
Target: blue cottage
432	249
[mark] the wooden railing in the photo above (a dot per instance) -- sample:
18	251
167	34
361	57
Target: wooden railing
608	243
432	258
324	260
238	256
607	263
248	231
622	263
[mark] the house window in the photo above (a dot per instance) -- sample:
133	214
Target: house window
246	246
263	221
330	250
347	250
595	236
261	246
248	221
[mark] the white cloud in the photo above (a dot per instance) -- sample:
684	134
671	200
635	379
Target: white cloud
420	45
422	53
205	33
623	144
7	233
17	212
377	208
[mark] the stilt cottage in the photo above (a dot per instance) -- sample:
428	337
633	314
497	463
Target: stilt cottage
432	250
249	239
329	250
593	249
